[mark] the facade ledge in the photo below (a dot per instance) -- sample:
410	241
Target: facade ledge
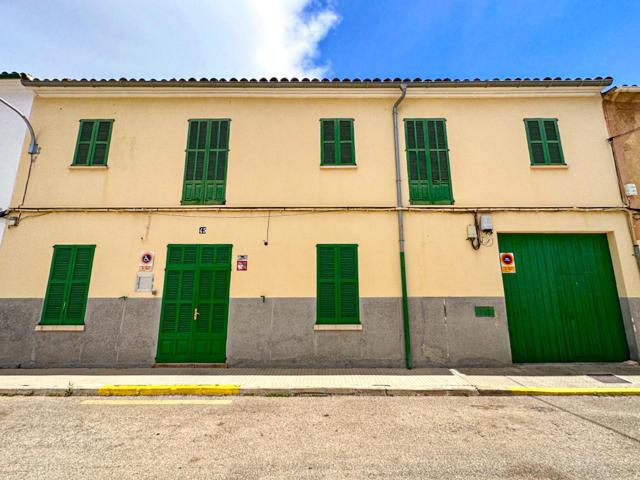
59	328
549	167
338	167
338	328
50	91
88	167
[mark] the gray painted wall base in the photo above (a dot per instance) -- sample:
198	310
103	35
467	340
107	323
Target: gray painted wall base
118	333
276	333
631	318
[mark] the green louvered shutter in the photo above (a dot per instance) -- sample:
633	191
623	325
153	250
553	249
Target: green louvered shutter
79	285
55	298
328	136
337	142
536	144
67	291
327	294
552	138
92	147
543	138
205	173
101	144
83	148
337	289
428	161
348	280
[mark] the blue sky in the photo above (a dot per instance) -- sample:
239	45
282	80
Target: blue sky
334	38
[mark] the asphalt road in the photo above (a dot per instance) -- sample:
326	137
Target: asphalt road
329	437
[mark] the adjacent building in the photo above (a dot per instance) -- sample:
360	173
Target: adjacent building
257	223
12	132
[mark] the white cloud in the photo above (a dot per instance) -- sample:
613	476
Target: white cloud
287	38
165	38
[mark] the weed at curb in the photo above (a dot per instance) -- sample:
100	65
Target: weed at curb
69	391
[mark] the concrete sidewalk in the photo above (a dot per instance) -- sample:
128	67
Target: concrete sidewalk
575	379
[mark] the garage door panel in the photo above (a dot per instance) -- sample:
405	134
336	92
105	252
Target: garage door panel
562	302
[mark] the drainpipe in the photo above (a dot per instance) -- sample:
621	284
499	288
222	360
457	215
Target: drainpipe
33	146
403	270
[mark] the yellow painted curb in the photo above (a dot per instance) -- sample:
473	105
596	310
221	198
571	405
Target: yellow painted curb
156	402
575	391
134	390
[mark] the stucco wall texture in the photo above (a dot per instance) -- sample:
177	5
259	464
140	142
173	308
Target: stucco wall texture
274	162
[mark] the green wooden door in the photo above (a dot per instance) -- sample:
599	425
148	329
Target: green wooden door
562	301
195	304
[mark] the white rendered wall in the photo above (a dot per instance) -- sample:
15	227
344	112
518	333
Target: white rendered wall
12	132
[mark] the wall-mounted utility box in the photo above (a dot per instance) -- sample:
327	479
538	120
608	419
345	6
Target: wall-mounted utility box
144	282
630	189
486	223
484	311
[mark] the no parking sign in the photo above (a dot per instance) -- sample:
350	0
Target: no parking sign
146	261
507	262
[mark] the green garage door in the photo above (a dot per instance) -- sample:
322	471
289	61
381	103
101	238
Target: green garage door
562	301
195	304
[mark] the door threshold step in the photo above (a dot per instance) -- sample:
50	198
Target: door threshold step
189	365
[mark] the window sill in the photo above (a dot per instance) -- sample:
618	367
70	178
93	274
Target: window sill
549	167
59	328
350	327
88	167
338	167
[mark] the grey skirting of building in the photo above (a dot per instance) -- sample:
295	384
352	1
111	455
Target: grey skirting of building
279	332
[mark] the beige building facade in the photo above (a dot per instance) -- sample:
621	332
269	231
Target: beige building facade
295	231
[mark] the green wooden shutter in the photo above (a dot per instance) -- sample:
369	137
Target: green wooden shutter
205	173
348	279
428	161
102	130
68	287
79	285
337	289
327	294
83	147
55	298
92	147
328	138
543	138
337	142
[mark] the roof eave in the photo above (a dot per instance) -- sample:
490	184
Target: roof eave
316	83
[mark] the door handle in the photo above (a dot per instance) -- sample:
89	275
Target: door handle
195	313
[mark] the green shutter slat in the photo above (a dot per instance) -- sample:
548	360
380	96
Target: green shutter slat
550	132
535	134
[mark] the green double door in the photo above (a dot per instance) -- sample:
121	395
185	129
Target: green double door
195	304
562	301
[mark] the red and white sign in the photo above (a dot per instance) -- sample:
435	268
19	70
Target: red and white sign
507	262
242	263
146	261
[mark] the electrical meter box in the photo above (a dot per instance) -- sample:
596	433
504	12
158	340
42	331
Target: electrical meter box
486	223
